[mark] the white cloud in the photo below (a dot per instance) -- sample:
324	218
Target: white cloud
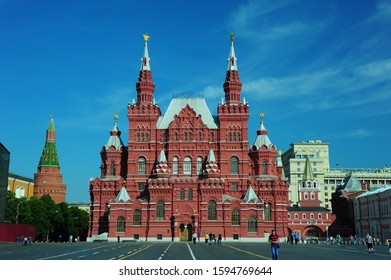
382	12
354	133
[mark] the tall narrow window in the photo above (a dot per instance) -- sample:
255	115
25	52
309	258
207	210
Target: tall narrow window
141	166
264	168
212	210
175	165
199	136
121	224
190	194
212	137
252	224
112	169
229	136
267	212
160	210
199	165
187	166
137	217
234	165
235	217
182	194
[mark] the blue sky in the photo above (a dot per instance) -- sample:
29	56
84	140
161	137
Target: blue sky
317	69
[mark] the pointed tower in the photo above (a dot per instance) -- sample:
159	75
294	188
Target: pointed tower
263	153
113	154
143	117
233	118
211	168
232	84
309	188
48	179
145	86
162	170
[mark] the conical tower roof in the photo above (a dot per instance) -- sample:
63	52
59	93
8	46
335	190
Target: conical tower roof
49	155
308	173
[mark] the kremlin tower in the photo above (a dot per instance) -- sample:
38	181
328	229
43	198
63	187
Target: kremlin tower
48	179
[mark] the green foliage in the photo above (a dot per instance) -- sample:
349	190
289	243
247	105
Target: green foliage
56	222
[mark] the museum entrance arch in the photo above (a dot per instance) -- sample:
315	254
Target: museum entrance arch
185	232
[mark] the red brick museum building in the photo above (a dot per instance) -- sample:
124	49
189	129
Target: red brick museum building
188	171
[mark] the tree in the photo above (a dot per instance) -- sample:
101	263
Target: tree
52	222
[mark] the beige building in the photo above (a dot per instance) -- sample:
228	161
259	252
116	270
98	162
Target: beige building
294	161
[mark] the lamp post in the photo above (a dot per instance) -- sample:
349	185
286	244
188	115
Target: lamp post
17	212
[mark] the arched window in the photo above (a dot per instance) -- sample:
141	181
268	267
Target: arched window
199	136
147	137
212	210
112	169
160	210
199	165
229	136
234	137
182	194
312	216
234	165
185	136
137	217
176	136
142	137
141	166
305	196
138	137
235	218
17	192
304	216
175	165
252	224
190	194
239	137
312	196
187	166
264	168
121	224
267	212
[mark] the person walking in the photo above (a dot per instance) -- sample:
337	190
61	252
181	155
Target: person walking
194	238
220	237
369	241
275	244
206	238
389	244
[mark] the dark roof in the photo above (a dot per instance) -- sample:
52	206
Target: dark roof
308	209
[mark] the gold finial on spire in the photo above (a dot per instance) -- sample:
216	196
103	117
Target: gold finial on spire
261	115
51	116
146	37
232	37
279	153
115	116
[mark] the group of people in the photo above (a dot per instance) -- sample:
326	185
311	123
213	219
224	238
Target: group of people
294	238
210	238
369	240
24	240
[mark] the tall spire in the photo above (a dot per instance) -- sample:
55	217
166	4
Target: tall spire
308	174
145	86
232	84
49	154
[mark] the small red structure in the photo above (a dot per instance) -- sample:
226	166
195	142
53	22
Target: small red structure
15	232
